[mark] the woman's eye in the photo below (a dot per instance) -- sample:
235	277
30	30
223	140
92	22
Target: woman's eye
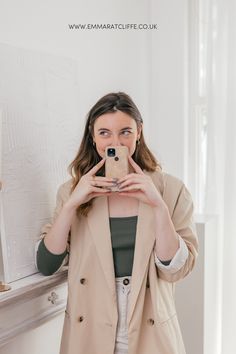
126	132
104	133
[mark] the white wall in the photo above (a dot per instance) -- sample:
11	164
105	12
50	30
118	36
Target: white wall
107	60
169	84
150	65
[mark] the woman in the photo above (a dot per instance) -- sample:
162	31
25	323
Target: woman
127	248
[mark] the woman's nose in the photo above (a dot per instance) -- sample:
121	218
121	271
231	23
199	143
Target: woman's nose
116	141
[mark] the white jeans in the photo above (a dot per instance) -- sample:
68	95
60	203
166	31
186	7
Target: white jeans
123	291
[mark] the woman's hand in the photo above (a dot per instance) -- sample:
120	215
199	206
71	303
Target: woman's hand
140	186
90	186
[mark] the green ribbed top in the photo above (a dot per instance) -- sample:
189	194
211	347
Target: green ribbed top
123	235
48	262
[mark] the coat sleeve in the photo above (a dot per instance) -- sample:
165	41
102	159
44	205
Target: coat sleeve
182	218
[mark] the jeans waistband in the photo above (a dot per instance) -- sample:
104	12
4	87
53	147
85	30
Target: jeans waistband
122	278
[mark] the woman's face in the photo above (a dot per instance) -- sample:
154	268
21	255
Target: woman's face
114	129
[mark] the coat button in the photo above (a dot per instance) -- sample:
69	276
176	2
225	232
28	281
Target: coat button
81	318
126	281
150	321
82	280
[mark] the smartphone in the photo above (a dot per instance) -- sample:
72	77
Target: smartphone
116	164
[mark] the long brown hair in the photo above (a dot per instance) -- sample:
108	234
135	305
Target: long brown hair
87	155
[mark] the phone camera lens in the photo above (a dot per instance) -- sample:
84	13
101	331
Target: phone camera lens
111	152
116	158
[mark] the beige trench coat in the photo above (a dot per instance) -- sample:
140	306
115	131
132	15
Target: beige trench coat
91	315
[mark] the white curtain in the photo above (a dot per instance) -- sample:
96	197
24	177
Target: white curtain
229	219
220	191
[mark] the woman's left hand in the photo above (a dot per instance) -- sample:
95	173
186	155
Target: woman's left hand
140	186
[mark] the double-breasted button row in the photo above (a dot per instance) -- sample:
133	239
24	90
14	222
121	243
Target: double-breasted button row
83	281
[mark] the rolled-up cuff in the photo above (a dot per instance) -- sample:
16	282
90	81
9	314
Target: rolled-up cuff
177	261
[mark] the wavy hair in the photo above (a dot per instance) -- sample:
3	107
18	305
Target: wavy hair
87	155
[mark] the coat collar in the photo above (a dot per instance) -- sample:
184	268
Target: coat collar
98	221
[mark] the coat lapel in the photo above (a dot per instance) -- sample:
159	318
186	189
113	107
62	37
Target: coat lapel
98	221
145	240
144	245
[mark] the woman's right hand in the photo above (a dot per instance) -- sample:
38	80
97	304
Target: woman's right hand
89	186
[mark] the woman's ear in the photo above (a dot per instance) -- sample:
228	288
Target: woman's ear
91	133
140	127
